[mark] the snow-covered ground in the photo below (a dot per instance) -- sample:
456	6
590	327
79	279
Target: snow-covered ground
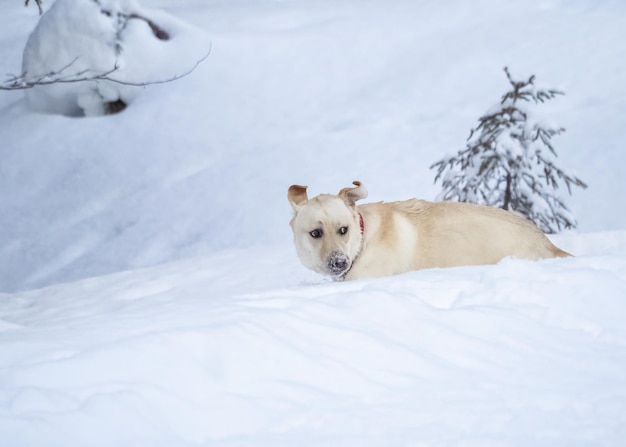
244	349
149	291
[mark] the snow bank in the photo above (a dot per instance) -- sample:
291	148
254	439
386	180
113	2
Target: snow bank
247	348
127	45
318	93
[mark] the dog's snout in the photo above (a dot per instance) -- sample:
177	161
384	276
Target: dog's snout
338	263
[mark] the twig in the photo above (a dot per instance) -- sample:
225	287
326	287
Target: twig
176	77
19	83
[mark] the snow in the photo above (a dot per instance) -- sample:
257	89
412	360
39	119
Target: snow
150	293
218	351
78	39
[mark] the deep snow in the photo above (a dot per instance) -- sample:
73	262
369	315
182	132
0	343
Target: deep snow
242	348
231	341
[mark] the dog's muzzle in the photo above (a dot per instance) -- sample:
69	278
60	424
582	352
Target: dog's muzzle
338	263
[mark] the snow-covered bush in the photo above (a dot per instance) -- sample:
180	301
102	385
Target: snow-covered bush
509	161
92	57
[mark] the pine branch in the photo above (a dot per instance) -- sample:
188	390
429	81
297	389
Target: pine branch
38	5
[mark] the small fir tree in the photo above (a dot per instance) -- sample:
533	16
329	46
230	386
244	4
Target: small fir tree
509	161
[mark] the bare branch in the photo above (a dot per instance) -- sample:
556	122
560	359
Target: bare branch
59	77
164	81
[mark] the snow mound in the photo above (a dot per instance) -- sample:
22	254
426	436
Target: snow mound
94	57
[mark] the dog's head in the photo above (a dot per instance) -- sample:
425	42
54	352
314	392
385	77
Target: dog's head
327	229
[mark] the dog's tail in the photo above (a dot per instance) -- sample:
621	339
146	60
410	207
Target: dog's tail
558	253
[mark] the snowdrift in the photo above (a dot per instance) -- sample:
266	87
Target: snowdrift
247	349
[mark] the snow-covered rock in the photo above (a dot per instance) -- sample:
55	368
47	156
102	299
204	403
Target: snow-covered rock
115	39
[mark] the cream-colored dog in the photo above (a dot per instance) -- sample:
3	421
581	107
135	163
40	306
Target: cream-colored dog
335	237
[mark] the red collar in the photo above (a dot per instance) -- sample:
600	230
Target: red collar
361	223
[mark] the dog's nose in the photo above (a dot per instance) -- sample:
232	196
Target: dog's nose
338	263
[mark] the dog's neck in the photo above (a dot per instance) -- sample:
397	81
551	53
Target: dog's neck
362	227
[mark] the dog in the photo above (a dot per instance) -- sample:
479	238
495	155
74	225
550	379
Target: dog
333	236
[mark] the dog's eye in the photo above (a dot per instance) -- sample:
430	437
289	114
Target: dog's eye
316	234
343	230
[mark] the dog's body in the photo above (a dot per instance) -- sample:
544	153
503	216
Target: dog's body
335	237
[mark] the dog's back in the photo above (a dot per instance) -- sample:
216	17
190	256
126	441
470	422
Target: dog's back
416	234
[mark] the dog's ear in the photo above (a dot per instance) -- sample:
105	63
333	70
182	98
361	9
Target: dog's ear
297	196
351	195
